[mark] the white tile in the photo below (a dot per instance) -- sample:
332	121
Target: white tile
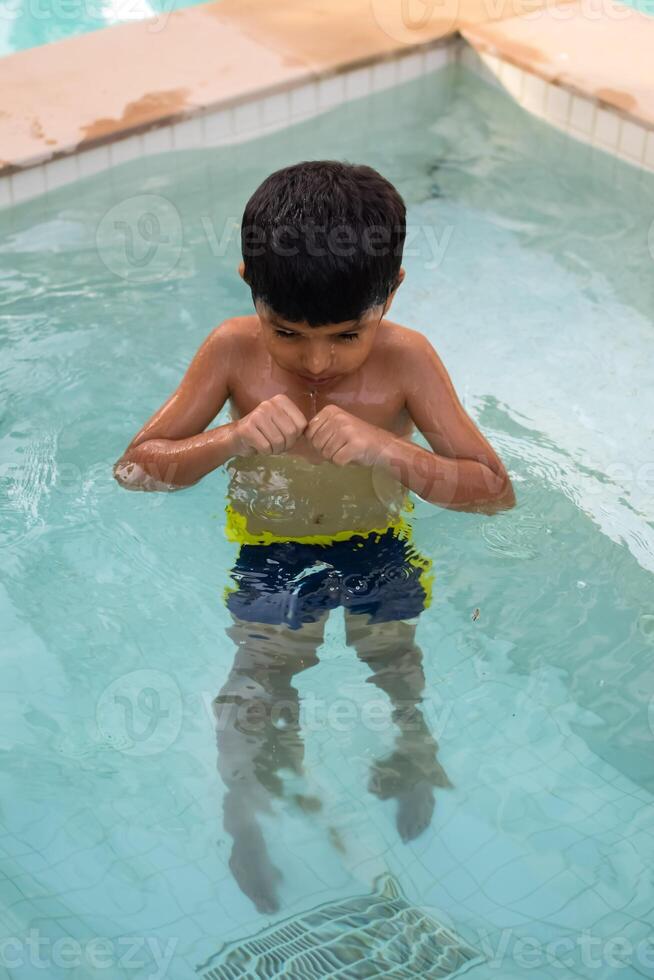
94	161
217	126
557	104
158	140
304	99
607	129
492	63
5	192
582	115
270	128
247	117
58	173
123	150
438	57
452	49
533	94
649	150
477	63
409	66
187	135
26	184
632	141
275	108
579	137
383	75
469	58
513	80
331	91
357	83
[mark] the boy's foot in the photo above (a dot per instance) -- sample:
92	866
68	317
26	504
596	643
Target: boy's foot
255	873
415	808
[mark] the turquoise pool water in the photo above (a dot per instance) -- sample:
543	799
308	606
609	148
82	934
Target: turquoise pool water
528	266
29	23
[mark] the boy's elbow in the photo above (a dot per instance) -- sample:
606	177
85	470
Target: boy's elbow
129	474
132	476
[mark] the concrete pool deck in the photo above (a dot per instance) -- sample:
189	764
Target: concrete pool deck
88	91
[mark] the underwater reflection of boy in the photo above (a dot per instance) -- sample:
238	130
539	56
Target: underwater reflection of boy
324	393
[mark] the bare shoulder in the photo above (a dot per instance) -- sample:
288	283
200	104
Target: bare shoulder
237	331
408	349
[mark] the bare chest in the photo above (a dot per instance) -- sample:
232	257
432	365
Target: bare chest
376	400
372	393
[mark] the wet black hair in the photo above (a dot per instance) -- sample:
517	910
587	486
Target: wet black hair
322	241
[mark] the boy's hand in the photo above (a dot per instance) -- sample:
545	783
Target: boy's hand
270	428
343	438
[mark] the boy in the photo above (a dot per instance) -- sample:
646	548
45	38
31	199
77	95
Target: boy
324	392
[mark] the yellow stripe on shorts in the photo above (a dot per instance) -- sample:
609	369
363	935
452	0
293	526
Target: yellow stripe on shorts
236	530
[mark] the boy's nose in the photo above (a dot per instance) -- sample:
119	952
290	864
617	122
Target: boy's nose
318	362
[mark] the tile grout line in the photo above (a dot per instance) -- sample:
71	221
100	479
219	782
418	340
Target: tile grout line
541	110
132	146
415	63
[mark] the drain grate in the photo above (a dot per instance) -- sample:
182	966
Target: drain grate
377	935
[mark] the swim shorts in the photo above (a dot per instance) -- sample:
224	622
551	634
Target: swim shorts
294	581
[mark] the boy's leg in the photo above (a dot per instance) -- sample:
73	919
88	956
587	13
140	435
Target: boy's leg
410	773
257	731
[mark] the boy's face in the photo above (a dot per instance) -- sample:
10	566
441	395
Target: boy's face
321	355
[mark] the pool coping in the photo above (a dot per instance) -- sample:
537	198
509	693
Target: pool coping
301	72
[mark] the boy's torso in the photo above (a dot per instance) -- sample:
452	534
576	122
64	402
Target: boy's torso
298	493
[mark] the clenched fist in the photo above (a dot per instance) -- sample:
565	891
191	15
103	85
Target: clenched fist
343	438
270	428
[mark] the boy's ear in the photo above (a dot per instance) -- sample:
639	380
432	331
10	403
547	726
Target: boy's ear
241	270
400	279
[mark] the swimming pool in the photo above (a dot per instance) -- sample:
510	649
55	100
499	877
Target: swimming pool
30	23
528	267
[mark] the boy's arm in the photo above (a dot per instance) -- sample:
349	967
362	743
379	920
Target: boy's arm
172	450
463	472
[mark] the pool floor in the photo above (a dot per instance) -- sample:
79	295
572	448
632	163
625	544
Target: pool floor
529	270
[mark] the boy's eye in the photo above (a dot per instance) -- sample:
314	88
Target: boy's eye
340	336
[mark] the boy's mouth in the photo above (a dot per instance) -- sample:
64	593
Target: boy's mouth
318	381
